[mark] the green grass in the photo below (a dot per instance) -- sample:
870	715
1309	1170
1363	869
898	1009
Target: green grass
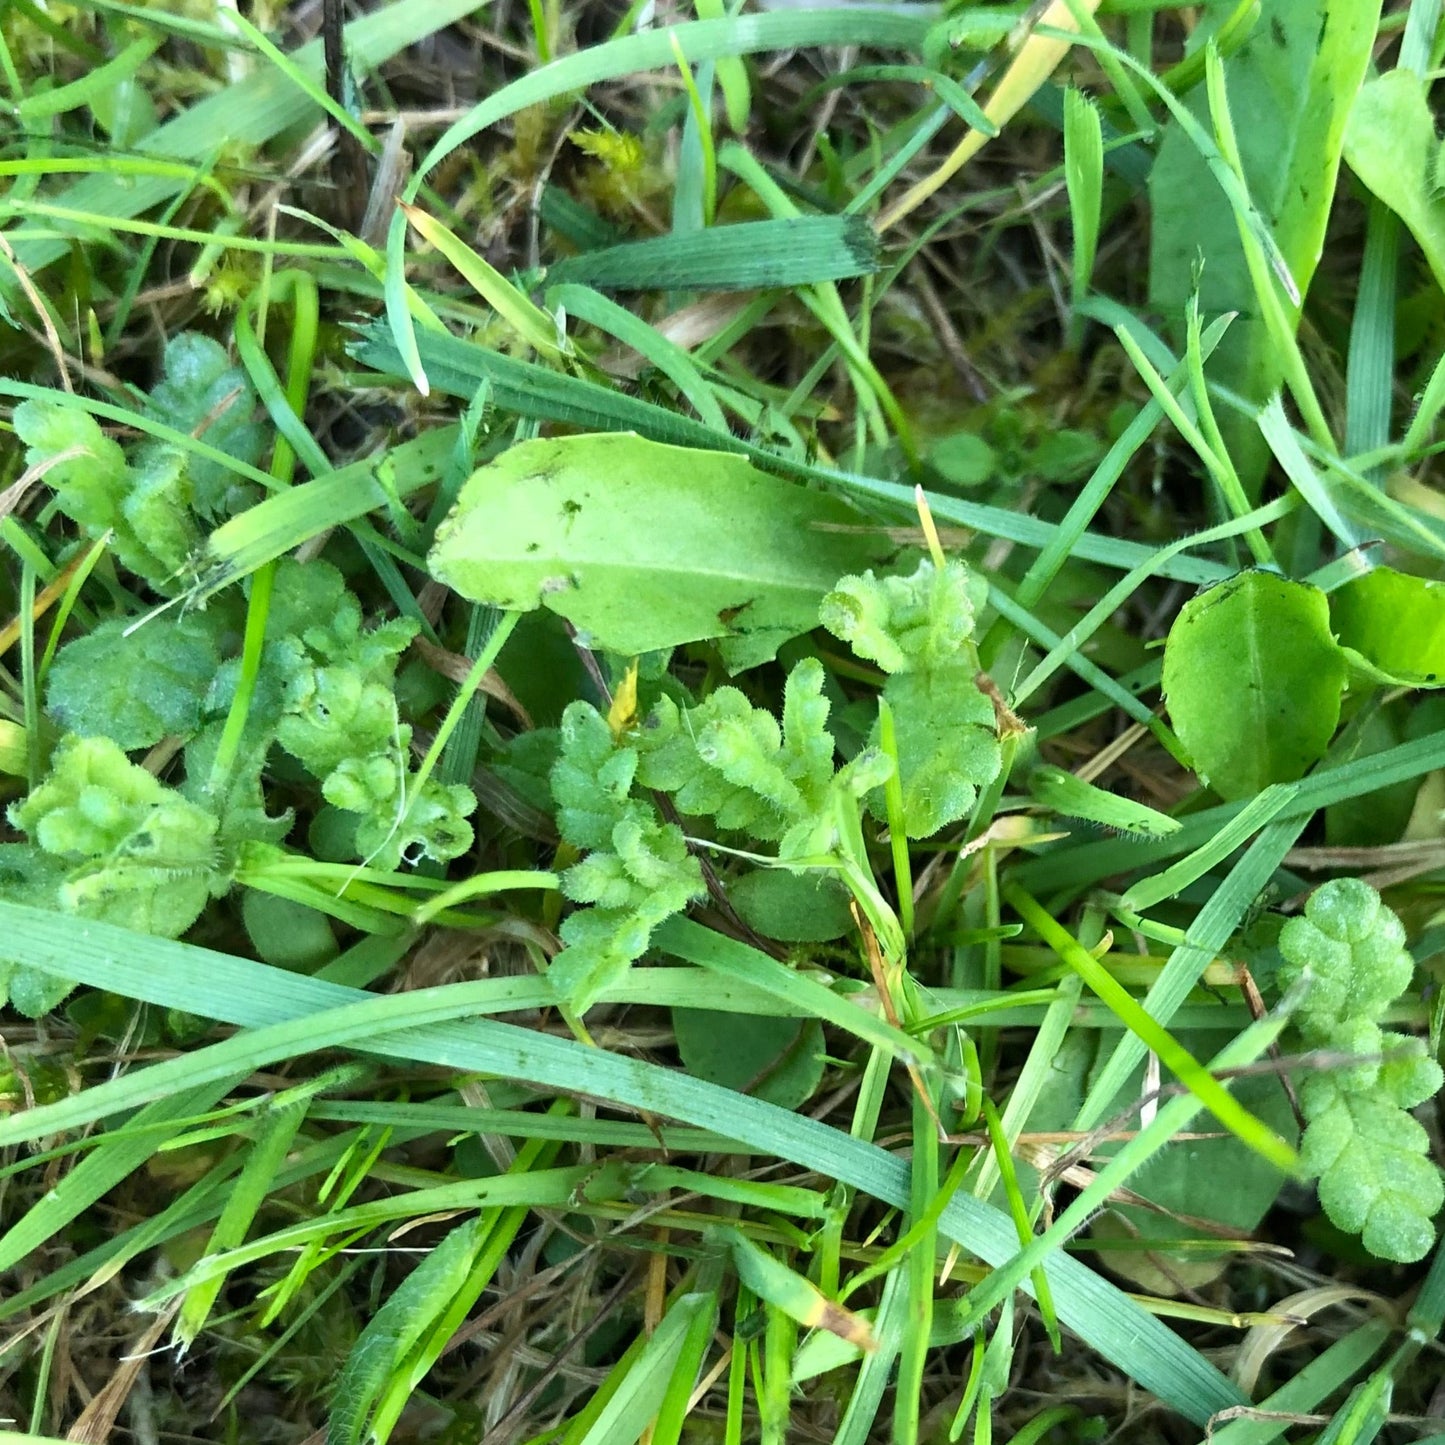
430	1019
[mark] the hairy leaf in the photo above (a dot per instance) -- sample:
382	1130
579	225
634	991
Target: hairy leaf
136	852
1353	947
432	824
591	778
1376	1177
27	875
339	719
88	471
139	688
96	488
636	873
202	394
792	907
241	808
152	503
947	746
919	629
907	624
730	761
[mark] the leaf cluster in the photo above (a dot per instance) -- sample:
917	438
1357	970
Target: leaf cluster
735	763
1371	1156
636	871
919	630
722	759
338	718
764	778
105	838
155	501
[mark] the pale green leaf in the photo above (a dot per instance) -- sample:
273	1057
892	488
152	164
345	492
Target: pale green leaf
1392	147
643	546
1395	624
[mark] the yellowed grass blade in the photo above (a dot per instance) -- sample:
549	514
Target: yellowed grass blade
1038	58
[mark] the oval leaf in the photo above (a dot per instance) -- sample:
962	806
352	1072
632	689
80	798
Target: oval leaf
1252	677
644	546
792	907
1395	623
779	1060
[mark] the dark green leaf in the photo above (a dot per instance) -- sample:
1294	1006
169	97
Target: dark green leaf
288	934
1216	1179
1290	88
792	907
776	1059
202	394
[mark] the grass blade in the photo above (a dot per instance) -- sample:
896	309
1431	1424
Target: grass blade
1084	177
526	318
248	994
110	1163
249	113
749	256
696	41
277	1131
1151	1034
1038	57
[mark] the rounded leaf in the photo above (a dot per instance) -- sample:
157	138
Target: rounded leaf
1396	625
776	1059
643	546
135	690
792	907
288	934
1253	677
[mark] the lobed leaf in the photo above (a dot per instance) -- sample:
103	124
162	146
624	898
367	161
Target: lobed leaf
919	629
1376	1177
